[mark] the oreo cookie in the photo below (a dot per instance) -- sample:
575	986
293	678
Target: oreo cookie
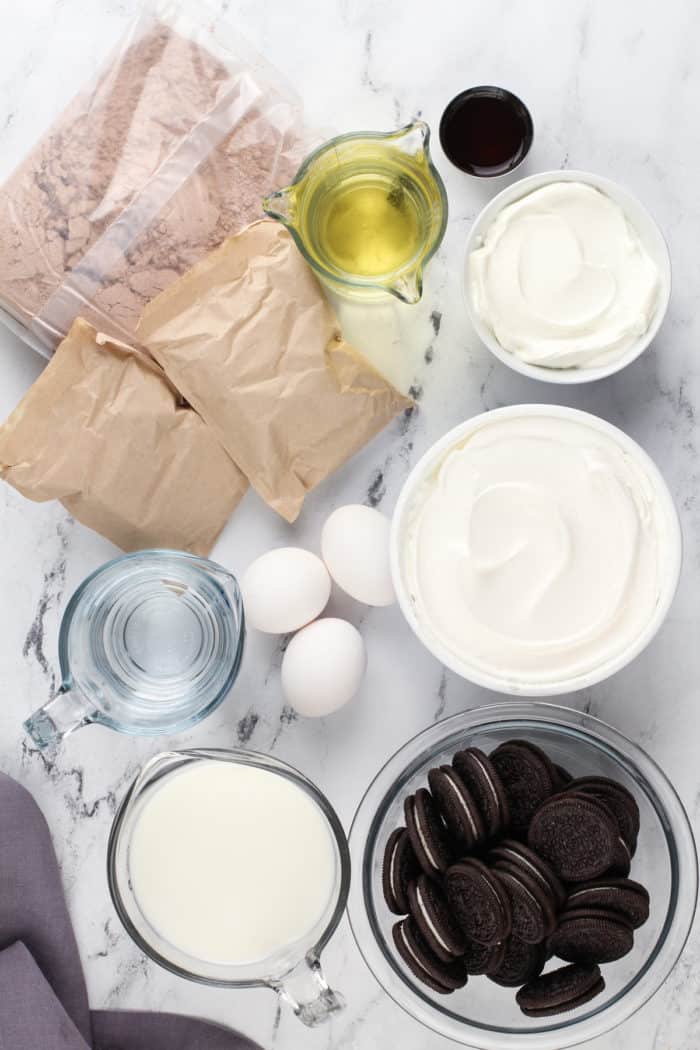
618	799
483	958
432	917
457	808
622	860
400	868
533	915
479	775
624	896
521	962
427	833
510	851
591	935
478	901
576	834
442	977
559	991
528	778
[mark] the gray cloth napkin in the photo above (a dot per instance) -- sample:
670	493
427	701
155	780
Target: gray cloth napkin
43	998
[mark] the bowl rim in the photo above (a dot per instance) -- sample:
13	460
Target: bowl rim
556	1034
651	233
511	686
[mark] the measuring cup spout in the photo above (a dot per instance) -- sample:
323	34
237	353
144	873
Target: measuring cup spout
408	286
68	710
281	205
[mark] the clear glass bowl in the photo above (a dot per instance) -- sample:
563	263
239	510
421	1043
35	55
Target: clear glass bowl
483	1014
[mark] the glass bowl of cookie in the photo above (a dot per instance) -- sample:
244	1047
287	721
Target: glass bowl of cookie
526	877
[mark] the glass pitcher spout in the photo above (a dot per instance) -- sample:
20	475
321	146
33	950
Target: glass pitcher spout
67	711
367	211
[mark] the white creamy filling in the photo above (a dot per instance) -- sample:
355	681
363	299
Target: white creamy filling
429	922
463	806
562	279
536	550
423	839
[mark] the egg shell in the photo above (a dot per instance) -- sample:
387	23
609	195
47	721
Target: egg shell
284	589
355	548
323	667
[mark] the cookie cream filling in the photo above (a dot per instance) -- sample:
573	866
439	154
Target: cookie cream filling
429	922
563	279
463	806
423	838
538	548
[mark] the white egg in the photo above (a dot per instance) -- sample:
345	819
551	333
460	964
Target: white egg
355	548
285	589
323	667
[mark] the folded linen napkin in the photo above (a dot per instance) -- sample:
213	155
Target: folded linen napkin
43	998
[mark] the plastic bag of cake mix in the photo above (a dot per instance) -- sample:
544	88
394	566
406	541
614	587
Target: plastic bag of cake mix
166	153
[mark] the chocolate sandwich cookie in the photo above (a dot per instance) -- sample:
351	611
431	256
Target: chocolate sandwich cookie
511	851
478	901
564	777
559	991
427	833
432	917
400	867
457	808
591	935
576	834
528	778
618	799
479	774
622	860
521	962
442	977
533	914
625	896
483	958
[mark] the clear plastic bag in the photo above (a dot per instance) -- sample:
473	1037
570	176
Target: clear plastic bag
169	151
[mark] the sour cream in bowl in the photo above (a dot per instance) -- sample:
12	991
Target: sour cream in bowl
535	550
567	277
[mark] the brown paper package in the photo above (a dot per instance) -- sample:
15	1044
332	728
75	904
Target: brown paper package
251	342
103	431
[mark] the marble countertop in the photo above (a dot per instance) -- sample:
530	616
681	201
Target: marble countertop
610	91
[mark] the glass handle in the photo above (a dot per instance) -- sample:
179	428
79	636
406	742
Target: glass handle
305	989
56	719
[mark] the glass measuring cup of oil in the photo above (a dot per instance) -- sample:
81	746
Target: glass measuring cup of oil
367	211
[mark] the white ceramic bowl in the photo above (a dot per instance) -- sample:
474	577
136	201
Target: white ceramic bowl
649	233
410	495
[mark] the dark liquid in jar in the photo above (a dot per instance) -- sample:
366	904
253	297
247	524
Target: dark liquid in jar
484	134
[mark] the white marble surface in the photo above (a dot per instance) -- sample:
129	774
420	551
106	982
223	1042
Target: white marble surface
614	88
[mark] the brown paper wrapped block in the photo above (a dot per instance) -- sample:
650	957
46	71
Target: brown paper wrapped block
103	431
250	340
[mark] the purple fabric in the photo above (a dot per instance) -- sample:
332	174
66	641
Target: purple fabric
29	1008
43	999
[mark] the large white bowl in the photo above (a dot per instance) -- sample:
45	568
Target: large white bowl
639	218
428	464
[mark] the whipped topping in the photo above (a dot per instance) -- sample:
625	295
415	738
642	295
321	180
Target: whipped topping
562	278
538	549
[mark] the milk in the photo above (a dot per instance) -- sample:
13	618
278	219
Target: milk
231	863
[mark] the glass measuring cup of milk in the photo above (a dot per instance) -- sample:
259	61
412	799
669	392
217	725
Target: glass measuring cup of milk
230	868
149	643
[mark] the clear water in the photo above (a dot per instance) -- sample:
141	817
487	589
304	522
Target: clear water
153	640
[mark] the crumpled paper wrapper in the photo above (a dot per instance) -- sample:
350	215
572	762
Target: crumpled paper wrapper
251	342
105	432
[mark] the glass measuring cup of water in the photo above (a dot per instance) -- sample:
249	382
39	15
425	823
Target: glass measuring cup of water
368	211
188	823
149	643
